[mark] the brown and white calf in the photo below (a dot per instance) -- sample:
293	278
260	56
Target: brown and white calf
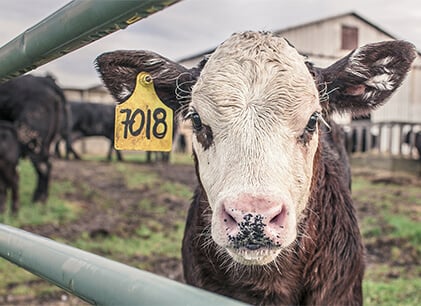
272	220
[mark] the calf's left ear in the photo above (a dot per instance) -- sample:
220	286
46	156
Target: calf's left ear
172	81
367	76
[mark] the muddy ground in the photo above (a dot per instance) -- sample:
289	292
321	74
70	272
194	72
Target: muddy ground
122	219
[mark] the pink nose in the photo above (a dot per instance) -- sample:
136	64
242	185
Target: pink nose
253	222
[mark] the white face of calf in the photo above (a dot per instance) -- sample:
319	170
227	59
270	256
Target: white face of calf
254	109
258	106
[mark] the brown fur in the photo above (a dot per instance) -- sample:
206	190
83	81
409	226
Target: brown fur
324	266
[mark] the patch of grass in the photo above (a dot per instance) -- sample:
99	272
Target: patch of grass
405	228
12	274
358	183
146	242
153	238
15	281
146	205
384	272
135	157
390	223
56	210
176	189
370	228
140	157
395	292
136	179
182	159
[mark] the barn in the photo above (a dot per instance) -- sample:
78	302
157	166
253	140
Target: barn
326	40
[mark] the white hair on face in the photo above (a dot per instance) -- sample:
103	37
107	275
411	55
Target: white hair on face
257	72
257	95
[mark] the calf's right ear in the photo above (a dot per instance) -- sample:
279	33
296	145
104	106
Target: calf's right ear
119	70
367	77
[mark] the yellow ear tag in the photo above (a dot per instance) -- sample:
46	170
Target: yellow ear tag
143	122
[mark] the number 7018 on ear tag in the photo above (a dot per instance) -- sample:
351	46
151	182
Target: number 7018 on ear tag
143	121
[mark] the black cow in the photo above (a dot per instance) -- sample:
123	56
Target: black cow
34	105
417	141
9	158
90	119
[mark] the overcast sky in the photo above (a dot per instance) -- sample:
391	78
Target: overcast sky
193	26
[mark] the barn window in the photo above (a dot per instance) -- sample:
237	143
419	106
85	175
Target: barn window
349	37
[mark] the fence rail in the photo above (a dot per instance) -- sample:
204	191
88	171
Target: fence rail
95	279
77	24
394	138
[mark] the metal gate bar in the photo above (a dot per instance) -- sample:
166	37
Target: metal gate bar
76	24
95	279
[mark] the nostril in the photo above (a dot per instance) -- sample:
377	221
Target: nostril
279	219
229	219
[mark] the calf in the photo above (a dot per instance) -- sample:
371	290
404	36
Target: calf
34	105
91	119
272	220
9	158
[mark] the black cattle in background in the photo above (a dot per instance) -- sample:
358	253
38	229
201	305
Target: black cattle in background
157	157
9	158
417	142
35	105
90	119
352	141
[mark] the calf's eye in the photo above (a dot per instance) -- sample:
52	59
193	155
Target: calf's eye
196	121
312	122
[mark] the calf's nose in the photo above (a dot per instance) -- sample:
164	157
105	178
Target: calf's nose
252	222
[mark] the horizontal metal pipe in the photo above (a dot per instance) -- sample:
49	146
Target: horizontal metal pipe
76	24
95	279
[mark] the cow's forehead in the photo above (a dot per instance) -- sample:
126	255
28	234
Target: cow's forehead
251	44
259	71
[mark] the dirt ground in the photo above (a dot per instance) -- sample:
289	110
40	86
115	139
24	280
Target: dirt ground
122	219
105	182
